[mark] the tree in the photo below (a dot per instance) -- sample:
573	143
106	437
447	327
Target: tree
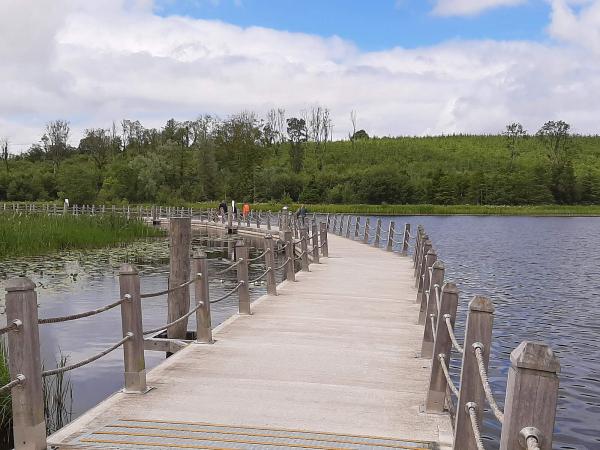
556	139
97	143
514	133
353	120
56	141
4	148
360	134
320	132
298	135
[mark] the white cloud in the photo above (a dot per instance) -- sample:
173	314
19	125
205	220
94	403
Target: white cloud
577	22
470	7
93	65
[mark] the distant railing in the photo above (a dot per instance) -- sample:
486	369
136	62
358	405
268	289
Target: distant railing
22	318
527	421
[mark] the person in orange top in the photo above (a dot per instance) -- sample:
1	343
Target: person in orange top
246	209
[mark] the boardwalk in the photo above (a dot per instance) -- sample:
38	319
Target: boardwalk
334	352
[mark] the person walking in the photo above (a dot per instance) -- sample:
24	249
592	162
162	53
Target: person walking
301	214
246	209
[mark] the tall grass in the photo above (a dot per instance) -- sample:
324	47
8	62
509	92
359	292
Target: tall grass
25	234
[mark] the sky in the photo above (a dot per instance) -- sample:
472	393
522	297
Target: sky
406	67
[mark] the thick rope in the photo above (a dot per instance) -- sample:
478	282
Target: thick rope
58	370
14	326
233	266
532	443
259	256
442	359
229	294
300	256
472	408
455	343
262	276
167	291
284	264
489	395
81	315
16	382
432	319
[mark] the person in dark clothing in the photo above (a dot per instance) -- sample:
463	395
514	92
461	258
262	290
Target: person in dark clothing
223	208
301	214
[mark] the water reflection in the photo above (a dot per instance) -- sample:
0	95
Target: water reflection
76	281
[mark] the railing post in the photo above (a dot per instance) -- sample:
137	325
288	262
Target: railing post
241	252
341	230
180	240
315	242
348	227
366	233
269	220
425	246
270	263
29	425
304	247
438	387
431	308
258	219
289	255
478	330
406	240
201	295
285	219
131	322
418	243
323	239
377	233
335	219
356	228
531	395
390	240
423	280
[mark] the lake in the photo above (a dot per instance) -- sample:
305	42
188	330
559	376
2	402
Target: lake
541	274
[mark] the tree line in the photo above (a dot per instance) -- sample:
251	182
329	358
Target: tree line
281	158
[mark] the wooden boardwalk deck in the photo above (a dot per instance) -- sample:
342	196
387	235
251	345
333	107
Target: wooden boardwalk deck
334	352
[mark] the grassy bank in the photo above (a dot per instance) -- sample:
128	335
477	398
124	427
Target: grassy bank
23	235
433	210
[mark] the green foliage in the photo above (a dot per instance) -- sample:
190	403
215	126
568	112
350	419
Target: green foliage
36	234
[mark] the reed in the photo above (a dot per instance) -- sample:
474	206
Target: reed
34	234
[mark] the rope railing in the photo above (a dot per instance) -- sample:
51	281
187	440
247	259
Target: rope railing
19	380
489	395
259	256
173	289
81	315
229	294
14	326
233	266
285	263
264	274
455	343
444	366
89	360
472	409
299	257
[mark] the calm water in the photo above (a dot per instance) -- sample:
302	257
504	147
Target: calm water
540	272
543	277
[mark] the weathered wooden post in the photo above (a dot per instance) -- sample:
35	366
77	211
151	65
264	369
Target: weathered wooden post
424	248
335	219
340	231
269	220
348	227
406	240
323	239
423	279
201	295
248	219
315	242
438	387
29	425
180	240
289	255
258	219
366	233
131	322
431	308
418	244
390	240
531	396
377	233
241	252
356	228
270	263
478	331
304	248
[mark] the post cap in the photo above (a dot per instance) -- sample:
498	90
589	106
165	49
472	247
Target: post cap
431	252
482	304
128	269
535	356
19	284
438	265
450	288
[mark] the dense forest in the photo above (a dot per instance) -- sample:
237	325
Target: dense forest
281	158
